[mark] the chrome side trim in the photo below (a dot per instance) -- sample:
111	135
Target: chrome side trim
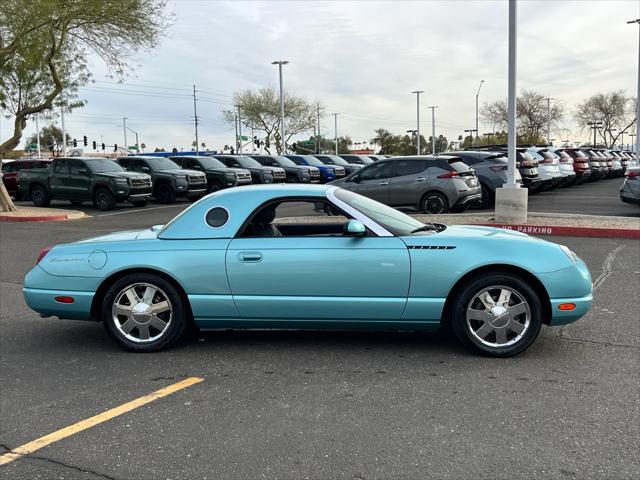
357	214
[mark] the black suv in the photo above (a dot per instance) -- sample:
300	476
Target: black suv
219	176
295	173
336	160
259	173
169	179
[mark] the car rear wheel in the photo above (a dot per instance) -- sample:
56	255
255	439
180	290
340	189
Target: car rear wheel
40	197
435	203
144	312
497	315
103	200
164	193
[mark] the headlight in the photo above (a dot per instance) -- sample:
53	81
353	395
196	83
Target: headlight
121	181
181	177
569	253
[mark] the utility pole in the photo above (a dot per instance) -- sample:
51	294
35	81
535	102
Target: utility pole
549	120
64	133
280	63
477	95
433	130
239	132
418	92
318	137
195	119
335	130
637	22
124	130
253	143
37	137
235	123
594	126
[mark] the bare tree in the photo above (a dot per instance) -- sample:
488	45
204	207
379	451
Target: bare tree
260	109
614	110
532	115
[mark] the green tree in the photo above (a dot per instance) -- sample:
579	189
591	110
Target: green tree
50	136
442	145
386	140
45	47
260	109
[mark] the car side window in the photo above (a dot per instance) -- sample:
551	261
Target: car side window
136	165
10	167
75	166
125	163
62	166
296	218
377	171
410	167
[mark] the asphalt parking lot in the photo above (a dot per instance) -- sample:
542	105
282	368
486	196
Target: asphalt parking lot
321	405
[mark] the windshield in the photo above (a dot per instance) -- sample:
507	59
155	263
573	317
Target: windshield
284	162
162	164
247	162
396	222
312	160
211	163
333	160
103	165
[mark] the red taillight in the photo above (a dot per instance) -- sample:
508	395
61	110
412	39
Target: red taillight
43	253
449	175
498	168
529	163
633	175
64	299
547	160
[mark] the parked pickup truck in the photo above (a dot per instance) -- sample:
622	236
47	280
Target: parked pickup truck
80	179
219	176
169	180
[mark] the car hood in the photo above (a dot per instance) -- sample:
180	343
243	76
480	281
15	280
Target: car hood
123	175
181	171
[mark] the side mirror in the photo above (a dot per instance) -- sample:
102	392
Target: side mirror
355	228
83	171
354	179
145	169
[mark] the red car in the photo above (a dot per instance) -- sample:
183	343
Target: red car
10	173
580	163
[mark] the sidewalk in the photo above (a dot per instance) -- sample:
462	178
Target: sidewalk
33	214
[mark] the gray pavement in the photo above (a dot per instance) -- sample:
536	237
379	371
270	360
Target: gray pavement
321	404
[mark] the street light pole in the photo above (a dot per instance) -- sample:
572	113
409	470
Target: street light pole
195	119
124	130
280	63
477	95
335	129
38	137
418	92
433	129
637	21
64	132
549	120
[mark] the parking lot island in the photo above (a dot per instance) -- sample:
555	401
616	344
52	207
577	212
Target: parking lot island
28	214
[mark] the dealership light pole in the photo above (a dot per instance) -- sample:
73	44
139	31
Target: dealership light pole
64	132
418	92
38	137
280	63
511	201
433	129
124	130
549	119
637	21
477	95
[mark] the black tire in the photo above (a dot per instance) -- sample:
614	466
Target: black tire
164	193
292	180
487	197
434	203
140	203
464	328
40	197
103	200
214	187
75	202
176	322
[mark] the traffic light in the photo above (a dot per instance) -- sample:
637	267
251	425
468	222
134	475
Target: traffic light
75	143
94	144
115	147
84	140
103	146
256	142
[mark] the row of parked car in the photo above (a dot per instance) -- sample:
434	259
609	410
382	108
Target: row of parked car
452	181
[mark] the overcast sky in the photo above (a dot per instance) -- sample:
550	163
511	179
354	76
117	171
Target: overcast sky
361	59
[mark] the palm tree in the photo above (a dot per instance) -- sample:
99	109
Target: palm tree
384	139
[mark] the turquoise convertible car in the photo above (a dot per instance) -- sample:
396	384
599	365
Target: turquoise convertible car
239	259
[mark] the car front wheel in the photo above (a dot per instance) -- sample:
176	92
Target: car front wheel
497	315
104	200
144	312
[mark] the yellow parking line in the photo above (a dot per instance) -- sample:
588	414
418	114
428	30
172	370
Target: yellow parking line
41	442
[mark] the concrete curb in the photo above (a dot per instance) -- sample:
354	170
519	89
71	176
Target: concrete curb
566	231
54	217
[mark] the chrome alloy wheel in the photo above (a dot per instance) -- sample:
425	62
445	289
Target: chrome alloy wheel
498	316
142	312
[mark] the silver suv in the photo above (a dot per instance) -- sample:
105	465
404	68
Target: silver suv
433	184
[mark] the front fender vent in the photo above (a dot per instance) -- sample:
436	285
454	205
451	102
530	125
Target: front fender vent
431	247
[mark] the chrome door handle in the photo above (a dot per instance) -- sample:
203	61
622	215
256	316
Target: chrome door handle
250	256
420	179
383	183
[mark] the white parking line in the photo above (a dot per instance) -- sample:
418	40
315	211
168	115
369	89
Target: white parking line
143	209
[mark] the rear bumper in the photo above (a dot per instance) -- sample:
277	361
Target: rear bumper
469	200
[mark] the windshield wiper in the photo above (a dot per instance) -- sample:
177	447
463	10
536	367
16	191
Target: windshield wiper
428	227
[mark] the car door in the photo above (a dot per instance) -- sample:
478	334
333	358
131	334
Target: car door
319	278
409	182
58	181
79	182
9	176
373	181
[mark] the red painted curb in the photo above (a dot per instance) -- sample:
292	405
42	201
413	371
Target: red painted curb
7	218
570	231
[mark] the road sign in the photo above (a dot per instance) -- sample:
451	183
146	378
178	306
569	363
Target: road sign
308	143
244	138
